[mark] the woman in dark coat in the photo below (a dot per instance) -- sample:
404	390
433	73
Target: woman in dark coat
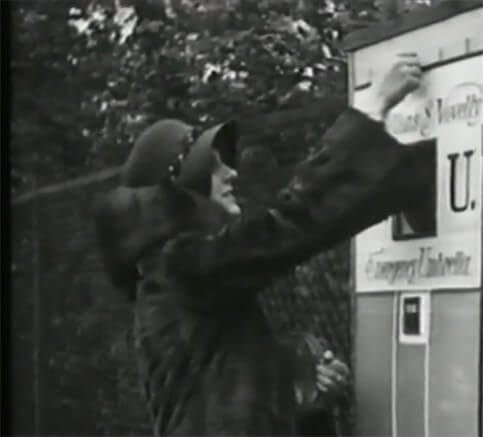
173	237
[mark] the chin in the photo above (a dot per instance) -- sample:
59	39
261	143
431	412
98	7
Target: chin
233	209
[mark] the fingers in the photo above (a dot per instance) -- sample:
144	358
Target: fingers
408	60
326	371
412	69
331	373
328	356
332	377
393	82
327	379
409	67
412	73
408	55
325	384
336	366
340	366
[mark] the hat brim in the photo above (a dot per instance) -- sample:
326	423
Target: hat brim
197	168
224	139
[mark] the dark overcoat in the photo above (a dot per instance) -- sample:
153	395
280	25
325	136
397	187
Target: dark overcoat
209	363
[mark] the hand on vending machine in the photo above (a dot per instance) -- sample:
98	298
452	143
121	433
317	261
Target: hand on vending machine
332	376
325	379
390	86
321	395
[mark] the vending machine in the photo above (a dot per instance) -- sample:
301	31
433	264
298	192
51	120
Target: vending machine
418	275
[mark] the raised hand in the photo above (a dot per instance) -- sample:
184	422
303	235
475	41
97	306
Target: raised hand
391	85
403	77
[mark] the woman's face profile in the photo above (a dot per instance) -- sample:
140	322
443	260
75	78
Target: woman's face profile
222	190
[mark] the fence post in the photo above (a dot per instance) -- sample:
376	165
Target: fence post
36	311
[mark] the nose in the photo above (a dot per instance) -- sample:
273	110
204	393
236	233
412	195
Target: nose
231	174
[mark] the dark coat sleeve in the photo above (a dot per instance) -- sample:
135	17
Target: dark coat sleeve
359	176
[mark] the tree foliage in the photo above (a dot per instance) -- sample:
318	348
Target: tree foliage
89	75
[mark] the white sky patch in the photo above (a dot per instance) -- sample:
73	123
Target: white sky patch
128	28
226	73
98	15
302	29
326	51
209	70
125	18
304	85
75	12
136	118
320	67
229	75
330	6
308	72
81	25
